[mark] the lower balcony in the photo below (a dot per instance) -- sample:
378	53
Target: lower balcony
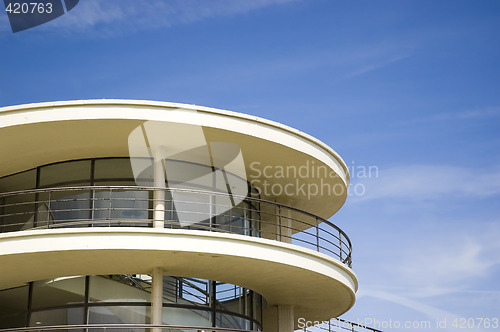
288	256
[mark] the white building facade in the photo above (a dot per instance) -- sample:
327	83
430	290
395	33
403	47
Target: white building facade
144	215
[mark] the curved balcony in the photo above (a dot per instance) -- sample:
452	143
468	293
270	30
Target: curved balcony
123	327
121	206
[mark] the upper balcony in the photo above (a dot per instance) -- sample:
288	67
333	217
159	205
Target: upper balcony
122	206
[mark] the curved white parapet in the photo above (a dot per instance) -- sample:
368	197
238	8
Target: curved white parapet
318	286
180	113
52	132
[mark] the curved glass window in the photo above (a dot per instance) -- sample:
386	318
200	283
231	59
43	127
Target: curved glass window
125	299
94	198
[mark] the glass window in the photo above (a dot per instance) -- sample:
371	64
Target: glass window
143	171
193	291
63	316
192	209
112	171
65	207
57	292
131	208
231	321
17	212
20	181
181	174
13	306
227	182
230	298
66	174
119	288
257	306
185	316
119	315
113	299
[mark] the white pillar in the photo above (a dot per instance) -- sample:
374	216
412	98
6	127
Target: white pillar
159	195
285	318
157	298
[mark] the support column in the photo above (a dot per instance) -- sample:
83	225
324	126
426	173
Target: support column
285	318
159	195
157	298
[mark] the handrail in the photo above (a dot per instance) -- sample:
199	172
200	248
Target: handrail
91	327
39	208
342	325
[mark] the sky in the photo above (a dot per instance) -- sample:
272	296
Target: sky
408	89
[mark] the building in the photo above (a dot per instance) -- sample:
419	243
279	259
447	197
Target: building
137	212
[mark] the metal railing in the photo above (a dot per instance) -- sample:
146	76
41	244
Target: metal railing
122	328
334	325
116	206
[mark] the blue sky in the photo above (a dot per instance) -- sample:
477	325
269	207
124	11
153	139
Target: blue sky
409	87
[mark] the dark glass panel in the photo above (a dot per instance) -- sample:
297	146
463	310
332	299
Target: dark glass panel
192	209
68	208
193	291
17	212
13	306
62	316
66	174
20	181
119	288
230	298
57	292
124	207
184	316
119	315
231	321
116	169
188	175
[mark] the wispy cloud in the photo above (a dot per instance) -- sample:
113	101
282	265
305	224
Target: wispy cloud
417	183
154	13
430	311
429	273
377	64
448	265
471	114
443	260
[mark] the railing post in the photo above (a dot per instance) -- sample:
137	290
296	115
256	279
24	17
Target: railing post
92	207
110	206
317	235
48	208
340	245
279	223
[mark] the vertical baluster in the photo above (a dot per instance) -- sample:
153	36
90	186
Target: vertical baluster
340	245
279	223
317	234
48	207
110	207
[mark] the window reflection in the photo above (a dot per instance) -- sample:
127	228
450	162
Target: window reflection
125	299
86	207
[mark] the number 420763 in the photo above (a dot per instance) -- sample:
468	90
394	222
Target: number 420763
29	8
